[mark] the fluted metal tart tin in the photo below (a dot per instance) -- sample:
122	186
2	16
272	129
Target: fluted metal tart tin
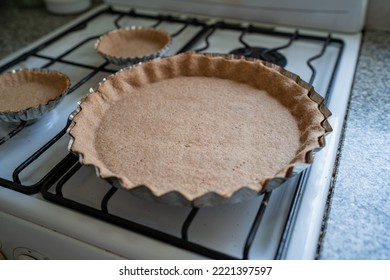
11	80
121	42
212	198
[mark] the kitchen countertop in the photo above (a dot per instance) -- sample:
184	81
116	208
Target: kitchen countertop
358	221
21	24
358	224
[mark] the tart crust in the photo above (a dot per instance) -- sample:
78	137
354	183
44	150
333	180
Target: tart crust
200	130
26	94
132	45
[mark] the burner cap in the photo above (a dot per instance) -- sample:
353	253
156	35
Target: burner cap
261	53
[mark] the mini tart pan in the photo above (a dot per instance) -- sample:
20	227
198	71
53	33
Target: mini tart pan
131	45
27	94
164	147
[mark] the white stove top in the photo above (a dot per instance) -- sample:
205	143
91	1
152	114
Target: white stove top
291	221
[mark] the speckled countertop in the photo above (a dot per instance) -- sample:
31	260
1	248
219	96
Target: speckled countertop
21	24
358	222
358	226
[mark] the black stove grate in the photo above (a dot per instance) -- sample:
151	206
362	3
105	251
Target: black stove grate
68	166
103	214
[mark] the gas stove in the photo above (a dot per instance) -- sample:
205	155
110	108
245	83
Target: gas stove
51	207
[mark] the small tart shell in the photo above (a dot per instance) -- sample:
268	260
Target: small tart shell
131	45
27	94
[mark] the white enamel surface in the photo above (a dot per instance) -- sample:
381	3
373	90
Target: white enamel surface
304	240
331	15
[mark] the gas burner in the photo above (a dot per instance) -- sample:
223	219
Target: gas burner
262	53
